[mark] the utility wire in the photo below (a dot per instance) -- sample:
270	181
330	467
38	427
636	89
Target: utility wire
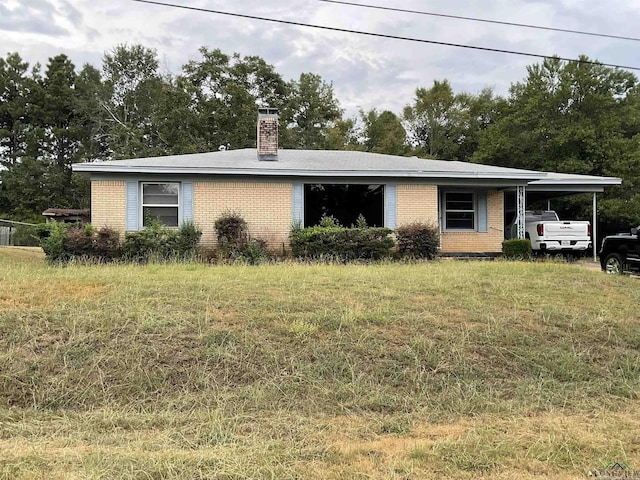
474	19
380	35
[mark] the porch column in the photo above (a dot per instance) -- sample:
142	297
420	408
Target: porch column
594	226
520	208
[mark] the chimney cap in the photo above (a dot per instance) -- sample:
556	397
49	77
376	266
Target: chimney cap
267	111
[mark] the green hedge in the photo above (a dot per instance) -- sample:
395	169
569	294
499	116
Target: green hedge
341	243
516	249
418	240
160	243
63	242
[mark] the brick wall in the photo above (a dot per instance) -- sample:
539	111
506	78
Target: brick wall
108	204
268	135
266	207
417	203
489	242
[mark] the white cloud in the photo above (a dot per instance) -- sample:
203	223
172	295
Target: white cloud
366	72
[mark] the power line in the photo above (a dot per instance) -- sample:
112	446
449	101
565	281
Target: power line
475	19
380	35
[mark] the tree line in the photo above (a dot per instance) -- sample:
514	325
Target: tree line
563	116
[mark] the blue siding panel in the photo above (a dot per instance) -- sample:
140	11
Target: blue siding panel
391	205
483	214
187	202
132	206
298	203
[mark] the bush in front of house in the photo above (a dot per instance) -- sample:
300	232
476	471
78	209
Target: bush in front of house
418	240
52	240
341	243
235	242
516	249
161	243
63	242
231	231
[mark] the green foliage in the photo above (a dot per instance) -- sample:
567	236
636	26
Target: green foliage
340	243
328	221
106	244
573	118
254	252
52	240
383	133
234	241
63	242
516	249
231	231
418	240
157	242
78	241
310	111
445	125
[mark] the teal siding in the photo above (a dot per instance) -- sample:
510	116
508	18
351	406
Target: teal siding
483	213
298	203
132	206
390	205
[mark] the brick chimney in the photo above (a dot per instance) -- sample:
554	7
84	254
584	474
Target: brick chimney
268	134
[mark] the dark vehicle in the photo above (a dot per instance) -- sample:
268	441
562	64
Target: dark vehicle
621	253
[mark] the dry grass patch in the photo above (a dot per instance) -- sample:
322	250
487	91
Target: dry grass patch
444	369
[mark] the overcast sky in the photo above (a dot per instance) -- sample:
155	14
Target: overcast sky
366	72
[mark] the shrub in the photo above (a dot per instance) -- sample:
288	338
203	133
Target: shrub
231	231
341	243
516	249
418	240
159	242
188	240
52	240
78	241
62	242
106	244
254	252
234	241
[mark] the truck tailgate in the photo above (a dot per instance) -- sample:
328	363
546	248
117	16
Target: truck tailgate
572	230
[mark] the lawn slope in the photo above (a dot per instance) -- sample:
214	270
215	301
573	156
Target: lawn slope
437	370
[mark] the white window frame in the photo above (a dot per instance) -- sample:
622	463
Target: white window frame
474	199
144	205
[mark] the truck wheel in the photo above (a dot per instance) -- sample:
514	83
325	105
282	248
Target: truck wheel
613	263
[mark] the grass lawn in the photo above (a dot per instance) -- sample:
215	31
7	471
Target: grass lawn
448	370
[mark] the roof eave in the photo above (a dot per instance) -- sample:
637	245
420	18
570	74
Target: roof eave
101	168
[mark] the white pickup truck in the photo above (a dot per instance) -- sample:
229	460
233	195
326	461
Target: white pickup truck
550	234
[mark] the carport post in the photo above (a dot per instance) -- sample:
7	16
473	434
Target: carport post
521	200
594	226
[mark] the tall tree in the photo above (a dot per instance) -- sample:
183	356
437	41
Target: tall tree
310	112
570	117
226	92
383	133
434	121
15	87
133	88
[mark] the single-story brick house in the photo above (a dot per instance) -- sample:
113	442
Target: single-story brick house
274	189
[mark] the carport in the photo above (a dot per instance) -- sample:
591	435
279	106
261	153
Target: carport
556	185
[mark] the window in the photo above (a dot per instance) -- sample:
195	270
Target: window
459	211
160	202
345	202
